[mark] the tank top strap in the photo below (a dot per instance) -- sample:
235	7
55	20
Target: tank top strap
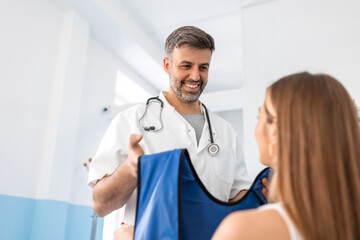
294	233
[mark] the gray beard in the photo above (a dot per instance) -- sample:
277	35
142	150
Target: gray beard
185	97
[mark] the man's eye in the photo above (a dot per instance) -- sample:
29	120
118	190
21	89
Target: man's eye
185	66
203	68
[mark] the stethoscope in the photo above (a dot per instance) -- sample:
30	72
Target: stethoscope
213	148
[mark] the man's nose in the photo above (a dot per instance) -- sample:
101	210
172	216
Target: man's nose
195	74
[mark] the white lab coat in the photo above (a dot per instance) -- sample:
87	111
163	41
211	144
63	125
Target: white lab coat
223	175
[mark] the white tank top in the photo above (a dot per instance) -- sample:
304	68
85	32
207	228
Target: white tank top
294	233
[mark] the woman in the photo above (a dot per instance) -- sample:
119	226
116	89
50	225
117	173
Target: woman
308	132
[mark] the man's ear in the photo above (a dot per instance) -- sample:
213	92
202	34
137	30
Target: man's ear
166	63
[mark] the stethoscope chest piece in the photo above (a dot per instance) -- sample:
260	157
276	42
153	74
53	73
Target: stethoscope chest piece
213	149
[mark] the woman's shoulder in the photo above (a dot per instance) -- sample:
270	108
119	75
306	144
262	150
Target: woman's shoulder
253	224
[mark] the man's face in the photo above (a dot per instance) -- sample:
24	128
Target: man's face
188	72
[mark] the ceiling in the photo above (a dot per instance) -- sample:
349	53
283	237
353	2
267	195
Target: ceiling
135	31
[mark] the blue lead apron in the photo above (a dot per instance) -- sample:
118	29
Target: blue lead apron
172	202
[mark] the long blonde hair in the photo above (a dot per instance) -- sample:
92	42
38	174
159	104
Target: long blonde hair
318	155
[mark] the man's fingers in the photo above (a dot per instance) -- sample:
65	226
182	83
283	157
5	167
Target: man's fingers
124	232
134	144
134	140
266	182
265	192
266	187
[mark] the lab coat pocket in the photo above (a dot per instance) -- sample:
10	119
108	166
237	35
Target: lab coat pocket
224	170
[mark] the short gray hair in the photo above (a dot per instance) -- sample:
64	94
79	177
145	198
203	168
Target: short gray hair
189	35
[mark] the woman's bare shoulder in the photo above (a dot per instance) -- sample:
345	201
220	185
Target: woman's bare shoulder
253	224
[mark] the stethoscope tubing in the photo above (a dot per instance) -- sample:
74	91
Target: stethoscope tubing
209	124
152	128
213	148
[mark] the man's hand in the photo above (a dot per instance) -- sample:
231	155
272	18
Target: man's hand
135	151
125	232
238	196
113	191
266	188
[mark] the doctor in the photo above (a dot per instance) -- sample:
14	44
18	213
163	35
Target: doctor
181	122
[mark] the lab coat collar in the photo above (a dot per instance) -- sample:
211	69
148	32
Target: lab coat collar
162	97
166	103
205	137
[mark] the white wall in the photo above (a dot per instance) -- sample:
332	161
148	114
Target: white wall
53	87
43	55
287	36
65	102
28	46
44	52
98	91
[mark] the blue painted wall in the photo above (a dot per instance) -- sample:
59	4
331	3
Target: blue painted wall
25	218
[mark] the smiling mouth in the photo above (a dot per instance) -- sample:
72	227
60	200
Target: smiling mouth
192	86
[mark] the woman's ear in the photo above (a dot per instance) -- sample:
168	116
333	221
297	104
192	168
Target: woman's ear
273	131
